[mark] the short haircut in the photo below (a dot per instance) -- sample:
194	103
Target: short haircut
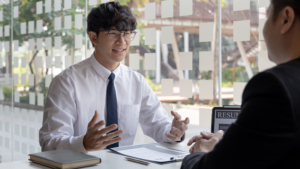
108	15
279	5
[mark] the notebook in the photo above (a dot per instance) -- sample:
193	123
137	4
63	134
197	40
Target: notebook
63	159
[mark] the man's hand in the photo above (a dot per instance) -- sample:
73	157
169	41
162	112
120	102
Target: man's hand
96	139
206	142
178	127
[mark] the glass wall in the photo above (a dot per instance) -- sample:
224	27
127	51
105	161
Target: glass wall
176	49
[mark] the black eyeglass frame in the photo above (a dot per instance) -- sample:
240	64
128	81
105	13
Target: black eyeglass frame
120	34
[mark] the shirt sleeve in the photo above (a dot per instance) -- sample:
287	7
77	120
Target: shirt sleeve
153	119
263	134
60	114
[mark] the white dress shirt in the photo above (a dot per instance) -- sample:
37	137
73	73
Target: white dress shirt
78	91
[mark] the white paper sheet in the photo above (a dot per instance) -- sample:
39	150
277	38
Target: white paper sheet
17	97
1	31
67	4
205	117
48	62
150	61
150	36
238	89
264	61
68	22
240	5
241	30
23	28
134	61
32	98
48	43
57	23
92	2
78	21
167	9
39	7
186	60
23	62
185	7
48	6
23	79
57	5
77	59
58	61
152	155
264	3
150	11
31	44
39	62
185	88
136	40
206	61
167	35
40	99
206	32
262	23
78	41
6	30
104	1
16	62
6	46
16	79
32	137
16	11
16	45
1	15
31	79
31	27
205	89
7	78
39	43
39	26
67	61
48	80
57	41
167	87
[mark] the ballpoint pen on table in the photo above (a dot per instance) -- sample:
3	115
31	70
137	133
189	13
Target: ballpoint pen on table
137	161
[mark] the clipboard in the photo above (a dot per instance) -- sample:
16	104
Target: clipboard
152	152
223	117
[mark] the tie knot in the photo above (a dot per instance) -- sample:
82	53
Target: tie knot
111	77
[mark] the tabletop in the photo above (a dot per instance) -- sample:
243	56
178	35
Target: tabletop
109	160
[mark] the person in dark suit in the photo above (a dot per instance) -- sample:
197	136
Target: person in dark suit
267	132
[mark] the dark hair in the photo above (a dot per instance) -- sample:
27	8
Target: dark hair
281	4
108	15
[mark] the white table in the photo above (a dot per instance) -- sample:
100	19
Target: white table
109	160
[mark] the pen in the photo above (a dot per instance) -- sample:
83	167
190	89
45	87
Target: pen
137	161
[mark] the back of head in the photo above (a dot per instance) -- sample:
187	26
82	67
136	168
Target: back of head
282	30
108	15
281	4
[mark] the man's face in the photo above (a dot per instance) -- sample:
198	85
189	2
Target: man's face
271	34
112	51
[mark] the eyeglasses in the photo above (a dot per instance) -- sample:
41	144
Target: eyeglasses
114	34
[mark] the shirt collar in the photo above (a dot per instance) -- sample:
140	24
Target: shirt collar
102	71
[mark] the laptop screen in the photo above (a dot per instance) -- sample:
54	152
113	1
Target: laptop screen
222	118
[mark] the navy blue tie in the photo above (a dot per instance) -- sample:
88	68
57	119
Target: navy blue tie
111	106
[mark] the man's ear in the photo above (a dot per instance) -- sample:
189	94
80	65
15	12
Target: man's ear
93	37
287	19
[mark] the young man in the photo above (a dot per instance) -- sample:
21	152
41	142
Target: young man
91	103
267	132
